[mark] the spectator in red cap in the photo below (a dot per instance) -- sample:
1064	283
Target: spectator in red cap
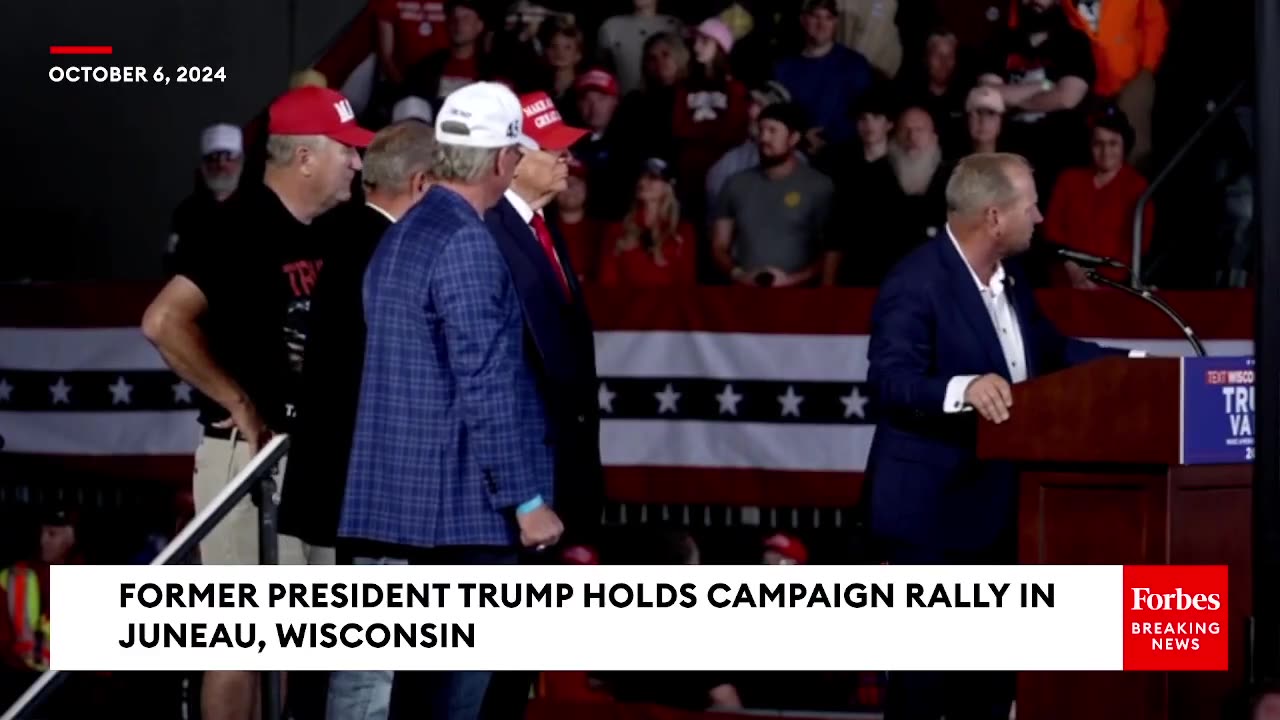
710	112
581	234
232	323
597	100
580	555
605	150
652	246
561	337
784	549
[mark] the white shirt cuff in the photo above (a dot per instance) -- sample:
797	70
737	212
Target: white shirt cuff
953	401
1137	353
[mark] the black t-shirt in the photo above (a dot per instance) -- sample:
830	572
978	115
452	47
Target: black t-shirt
874	223
190	218
256	265
1065	52
1051	141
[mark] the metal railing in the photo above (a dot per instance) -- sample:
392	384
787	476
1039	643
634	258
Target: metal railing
256	477
1139	220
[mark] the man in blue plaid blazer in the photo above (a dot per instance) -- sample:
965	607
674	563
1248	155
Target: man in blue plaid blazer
450	462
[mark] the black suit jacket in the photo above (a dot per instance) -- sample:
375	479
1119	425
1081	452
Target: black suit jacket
560	332
316	473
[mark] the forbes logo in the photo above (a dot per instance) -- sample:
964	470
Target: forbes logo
1144	599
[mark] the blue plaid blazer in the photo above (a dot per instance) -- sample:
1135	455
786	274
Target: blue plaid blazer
451	434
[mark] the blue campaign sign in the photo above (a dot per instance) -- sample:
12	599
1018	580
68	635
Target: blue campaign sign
1217	410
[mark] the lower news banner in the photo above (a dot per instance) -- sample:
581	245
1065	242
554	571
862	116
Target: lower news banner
766	617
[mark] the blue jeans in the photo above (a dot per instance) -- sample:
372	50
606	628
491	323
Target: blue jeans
447	695
361	694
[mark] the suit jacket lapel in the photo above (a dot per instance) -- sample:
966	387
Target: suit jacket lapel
972	308
1020	297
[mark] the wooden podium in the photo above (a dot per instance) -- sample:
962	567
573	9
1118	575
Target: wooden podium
1101	483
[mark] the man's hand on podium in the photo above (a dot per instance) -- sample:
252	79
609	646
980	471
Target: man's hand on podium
991	396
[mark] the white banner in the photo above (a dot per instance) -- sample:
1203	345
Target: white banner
588	617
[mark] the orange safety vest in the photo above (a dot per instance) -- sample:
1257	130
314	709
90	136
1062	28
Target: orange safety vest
30	626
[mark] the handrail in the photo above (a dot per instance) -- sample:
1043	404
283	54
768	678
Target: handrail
256	475
1139	212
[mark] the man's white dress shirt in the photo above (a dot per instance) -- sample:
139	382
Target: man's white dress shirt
995	295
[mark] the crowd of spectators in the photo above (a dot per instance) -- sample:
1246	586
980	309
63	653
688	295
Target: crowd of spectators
691	174
795	143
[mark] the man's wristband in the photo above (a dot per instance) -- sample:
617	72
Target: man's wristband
529	506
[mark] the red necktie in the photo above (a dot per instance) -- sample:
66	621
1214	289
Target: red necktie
540	229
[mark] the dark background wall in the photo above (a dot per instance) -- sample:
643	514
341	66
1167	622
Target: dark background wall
93	171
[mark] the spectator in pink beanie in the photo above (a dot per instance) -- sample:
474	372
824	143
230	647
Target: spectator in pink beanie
710	115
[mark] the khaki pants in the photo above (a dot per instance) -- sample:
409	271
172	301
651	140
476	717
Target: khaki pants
234	541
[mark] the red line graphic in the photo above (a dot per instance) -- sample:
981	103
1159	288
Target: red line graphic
79	49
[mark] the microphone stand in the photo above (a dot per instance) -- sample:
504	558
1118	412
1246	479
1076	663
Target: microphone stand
1145	294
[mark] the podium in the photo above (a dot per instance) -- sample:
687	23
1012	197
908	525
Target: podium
1102	452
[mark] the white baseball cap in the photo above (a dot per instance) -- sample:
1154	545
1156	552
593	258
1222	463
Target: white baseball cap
482	115
412	108
222	138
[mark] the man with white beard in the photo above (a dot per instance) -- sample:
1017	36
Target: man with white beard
221	162
916	155
896	206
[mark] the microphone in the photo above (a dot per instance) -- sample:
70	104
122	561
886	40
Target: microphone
1083	259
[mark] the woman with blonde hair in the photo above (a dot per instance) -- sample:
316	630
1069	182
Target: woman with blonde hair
652	246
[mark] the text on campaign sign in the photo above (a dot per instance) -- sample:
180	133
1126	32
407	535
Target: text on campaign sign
1217	410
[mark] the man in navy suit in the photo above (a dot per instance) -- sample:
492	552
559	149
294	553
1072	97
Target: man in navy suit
558	339
558	331
954	326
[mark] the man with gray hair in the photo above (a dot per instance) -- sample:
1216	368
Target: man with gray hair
396	176
449	460
232	324
955	324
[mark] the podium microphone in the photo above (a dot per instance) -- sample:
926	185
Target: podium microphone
1083	259
1091	263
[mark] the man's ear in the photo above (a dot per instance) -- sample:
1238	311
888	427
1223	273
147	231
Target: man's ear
306	159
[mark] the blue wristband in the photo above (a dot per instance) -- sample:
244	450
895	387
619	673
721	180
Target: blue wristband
529	506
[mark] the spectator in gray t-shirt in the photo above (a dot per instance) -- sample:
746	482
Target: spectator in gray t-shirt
771	218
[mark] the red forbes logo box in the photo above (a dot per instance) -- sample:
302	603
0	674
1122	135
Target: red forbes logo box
1175	617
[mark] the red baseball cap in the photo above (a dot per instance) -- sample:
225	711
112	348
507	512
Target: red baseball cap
580	555
788	547
598	80
543	124
317	111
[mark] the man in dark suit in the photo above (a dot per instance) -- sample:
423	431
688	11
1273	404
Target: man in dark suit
558	336
395	177
557	326
954	325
